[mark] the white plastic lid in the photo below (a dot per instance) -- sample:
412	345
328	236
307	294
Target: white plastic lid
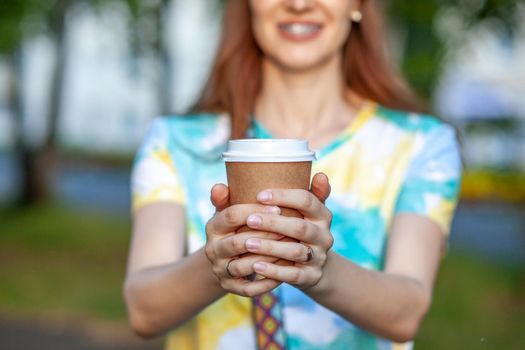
268	150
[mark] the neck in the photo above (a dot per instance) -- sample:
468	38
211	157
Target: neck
304	104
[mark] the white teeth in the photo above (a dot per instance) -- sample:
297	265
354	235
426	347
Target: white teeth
300	28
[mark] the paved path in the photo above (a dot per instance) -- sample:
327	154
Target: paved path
28	335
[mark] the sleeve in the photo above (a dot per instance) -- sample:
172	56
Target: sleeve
432	183
154	176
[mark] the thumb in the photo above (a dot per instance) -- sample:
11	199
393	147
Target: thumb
220	197
320	186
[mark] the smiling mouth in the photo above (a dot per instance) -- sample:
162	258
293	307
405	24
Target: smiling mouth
300	29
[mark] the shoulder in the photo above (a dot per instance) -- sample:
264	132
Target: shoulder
190	125
411	122
428	131
199	132
435	144
423	139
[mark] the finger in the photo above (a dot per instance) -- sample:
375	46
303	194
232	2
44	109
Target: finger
320	187
233	217
235	244
304	201
297	228
266	235
297	276
245	288
220	197
291	251
243	266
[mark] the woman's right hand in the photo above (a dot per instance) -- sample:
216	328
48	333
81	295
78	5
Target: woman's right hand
224	245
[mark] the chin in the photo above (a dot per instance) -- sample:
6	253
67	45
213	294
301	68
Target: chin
299	63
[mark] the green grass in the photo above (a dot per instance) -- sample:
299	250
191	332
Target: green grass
58	261
53	260
477	305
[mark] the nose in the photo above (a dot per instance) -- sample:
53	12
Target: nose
299	5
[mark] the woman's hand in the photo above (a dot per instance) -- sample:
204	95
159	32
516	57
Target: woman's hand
224	245
313	234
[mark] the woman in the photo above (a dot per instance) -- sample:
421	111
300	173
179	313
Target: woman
367	254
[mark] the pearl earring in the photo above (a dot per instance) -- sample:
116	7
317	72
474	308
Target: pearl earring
356	16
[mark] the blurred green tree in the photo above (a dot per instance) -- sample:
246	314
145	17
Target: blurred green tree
422	48
20	21
148	32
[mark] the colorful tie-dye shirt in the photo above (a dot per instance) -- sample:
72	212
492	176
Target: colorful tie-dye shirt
385	163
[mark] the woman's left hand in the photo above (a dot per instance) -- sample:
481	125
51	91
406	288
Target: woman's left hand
313	234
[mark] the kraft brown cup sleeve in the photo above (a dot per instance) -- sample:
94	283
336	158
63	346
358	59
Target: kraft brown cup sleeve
247	179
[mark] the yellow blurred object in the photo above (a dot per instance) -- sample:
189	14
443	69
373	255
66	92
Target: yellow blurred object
493	185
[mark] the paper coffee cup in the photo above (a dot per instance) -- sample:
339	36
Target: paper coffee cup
254	165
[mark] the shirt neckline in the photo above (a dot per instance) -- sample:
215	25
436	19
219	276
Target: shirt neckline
363	116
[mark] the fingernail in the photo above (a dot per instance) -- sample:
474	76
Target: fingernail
272	210
264	196
259	266
253	243
254	220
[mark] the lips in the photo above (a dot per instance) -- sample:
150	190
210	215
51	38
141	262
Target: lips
300	30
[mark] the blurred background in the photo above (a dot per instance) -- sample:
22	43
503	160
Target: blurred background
81	79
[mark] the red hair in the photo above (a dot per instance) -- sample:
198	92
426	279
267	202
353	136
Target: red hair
235	80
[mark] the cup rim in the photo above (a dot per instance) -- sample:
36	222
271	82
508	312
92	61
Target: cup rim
268	150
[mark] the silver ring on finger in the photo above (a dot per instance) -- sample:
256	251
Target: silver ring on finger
228	269
309	253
